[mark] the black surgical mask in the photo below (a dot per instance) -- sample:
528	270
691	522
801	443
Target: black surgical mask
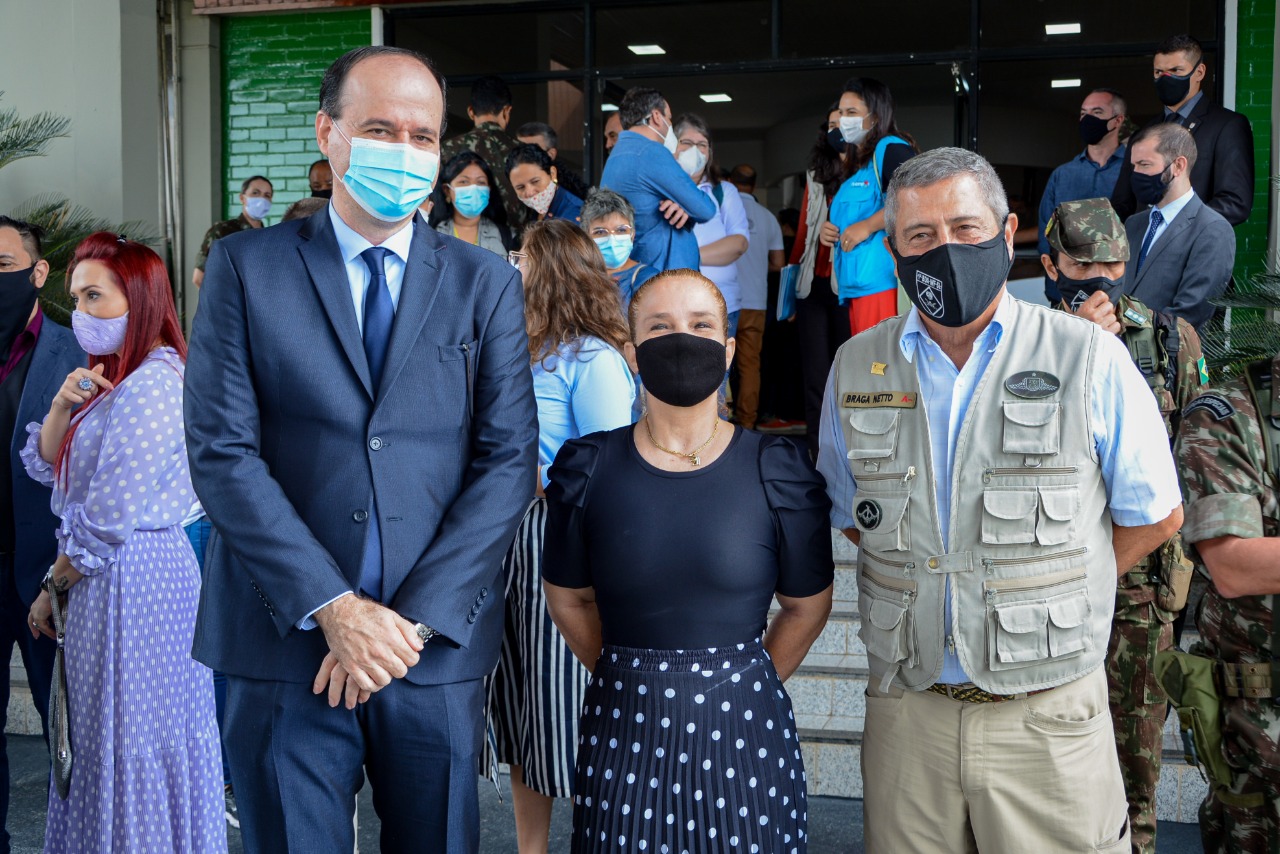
1093	128
17	298
322	194
954	283
1171	89
680	369
1076	291
1150	189
836	140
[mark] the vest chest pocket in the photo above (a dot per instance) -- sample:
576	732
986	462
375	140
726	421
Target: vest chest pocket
887	627
882	519
874	438
1032	428
1029	515
1038	619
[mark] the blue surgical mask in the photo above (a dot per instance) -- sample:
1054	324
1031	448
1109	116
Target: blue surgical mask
470	200
615	248
390	180
257	207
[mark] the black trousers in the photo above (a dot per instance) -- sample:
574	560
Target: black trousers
822	325
37	658
297	764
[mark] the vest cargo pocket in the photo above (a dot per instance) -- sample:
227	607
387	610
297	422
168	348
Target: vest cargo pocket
882	519
1031	428
874	438
1058	506
1031	620
1009	516
887	627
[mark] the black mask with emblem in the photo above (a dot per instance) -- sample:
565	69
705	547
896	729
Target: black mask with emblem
1076	291
953	284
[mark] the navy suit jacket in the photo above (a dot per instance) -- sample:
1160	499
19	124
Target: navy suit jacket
56	354
289	443
1189	264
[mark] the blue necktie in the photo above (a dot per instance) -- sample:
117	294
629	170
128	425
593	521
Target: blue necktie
379	314
1156	219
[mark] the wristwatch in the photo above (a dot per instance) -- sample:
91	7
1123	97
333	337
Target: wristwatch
424	631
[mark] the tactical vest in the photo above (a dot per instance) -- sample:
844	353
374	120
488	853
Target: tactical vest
1153	344
1029	557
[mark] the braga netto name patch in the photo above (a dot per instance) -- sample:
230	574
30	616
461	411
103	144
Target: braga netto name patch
871	399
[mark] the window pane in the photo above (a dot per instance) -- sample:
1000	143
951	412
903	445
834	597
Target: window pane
559	103
687	32
495	43
825	28
1016	23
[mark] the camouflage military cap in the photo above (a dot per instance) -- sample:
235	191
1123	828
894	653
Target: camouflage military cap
1087	231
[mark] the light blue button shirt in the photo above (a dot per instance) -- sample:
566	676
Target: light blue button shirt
350	245
1139	474
1169	212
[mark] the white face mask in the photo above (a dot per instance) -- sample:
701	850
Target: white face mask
669	138
692	161
852	130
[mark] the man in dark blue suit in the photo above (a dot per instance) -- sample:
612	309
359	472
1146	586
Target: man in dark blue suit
362	433
36	355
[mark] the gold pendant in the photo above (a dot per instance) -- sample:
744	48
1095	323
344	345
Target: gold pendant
695	459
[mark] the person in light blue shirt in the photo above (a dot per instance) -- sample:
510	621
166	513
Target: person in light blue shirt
1092	173
642	168
583	385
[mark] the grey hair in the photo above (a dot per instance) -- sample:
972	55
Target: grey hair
940	164
600	203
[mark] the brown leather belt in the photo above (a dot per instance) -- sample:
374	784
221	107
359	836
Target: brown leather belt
970	693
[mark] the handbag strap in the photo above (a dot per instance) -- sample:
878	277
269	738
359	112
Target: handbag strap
59	613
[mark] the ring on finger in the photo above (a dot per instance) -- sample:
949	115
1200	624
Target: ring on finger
85	384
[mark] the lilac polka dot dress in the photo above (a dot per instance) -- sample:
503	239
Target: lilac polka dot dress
147	773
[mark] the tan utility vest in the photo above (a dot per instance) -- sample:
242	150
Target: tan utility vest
1033	574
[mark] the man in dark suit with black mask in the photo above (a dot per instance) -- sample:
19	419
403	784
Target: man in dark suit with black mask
1223	174
36	355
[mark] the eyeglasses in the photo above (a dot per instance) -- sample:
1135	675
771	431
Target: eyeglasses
517	259
620	231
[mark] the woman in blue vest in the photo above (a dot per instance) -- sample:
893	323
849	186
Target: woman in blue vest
874	148
534	178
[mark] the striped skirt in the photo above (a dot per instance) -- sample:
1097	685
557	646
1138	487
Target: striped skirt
689	751
536	692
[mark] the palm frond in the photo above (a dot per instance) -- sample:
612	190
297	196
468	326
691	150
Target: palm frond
29	137
65	224
1228	351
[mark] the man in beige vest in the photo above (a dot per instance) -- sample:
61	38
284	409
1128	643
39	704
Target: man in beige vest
994	461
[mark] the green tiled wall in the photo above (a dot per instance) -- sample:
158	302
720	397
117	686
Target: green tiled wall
271	71
1254	75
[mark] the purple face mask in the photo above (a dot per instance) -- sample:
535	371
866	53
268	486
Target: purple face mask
99	336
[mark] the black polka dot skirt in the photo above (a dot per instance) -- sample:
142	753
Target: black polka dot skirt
688	752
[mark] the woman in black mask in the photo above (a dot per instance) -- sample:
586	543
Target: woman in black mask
665	545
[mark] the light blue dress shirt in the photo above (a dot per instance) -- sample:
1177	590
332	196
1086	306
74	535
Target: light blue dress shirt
1168	212
350	245
1139	474
580	393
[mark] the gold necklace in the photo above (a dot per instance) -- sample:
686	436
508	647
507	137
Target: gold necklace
692	456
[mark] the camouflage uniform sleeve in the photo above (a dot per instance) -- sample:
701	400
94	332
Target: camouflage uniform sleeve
1191	370
209	236
1219	451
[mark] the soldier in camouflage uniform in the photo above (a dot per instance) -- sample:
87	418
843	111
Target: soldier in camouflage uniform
1228	456
490	109
1089	250
257	188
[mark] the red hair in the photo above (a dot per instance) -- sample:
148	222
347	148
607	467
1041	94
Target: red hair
153	319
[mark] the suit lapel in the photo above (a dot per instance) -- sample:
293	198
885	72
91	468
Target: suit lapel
42	382
422	276
1198	114
320	253
1171	233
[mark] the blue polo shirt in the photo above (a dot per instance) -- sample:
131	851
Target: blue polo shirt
645	174
1078	178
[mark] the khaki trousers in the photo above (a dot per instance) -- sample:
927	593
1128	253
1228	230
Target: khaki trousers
749	337
1033	775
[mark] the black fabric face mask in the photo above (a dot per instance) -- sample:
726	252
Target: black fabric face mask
680	369
835	140
322	194
1149	189
1076	291
1093	129
1171	89
17	298
953	284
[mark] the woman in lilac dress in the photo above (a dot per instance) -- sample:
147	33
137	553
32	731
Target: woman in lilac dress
147	775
